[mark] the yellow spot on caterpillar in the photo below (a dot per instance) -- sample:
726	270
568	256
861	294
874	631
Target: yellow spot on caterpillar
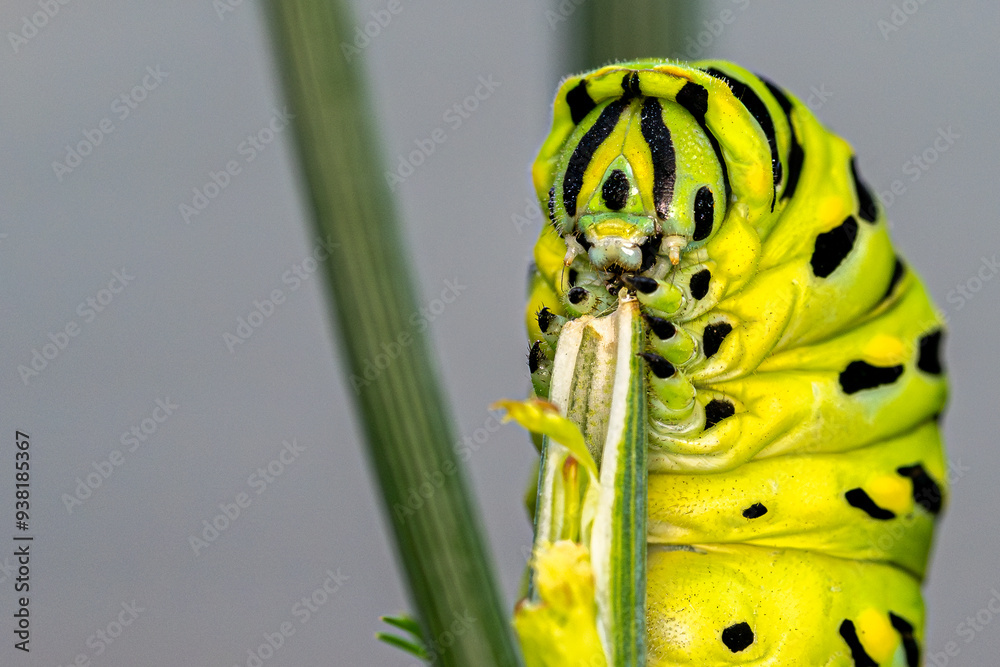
892	492
760	178
877	635
885	350
832	209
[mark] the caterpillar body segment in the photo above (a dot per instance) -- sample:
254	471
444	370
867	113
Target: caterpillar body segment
790	359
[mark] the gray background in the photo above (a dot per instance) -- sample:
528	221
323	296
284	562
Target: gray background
888	93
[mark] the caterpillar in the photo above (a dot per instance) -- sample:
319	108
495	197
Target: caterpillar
716	287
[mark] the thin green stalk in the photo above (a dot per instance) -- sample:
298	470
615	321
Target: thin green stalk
618	546
439	539
606	31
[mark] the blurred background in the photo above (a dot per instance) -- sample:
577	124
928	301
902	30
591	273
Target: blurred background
198	481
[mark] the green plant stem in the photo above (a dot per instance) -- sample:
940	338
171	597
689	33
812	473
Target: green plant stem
606	31
439	542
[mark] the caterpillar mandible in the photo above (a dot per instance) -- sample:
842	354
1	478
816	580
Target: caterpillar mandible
717	283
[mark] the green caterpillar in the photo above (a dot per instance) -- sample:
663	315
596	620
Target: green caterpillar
717	272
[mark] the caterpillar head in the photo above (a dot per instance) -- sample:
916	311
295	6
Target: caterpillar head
638	184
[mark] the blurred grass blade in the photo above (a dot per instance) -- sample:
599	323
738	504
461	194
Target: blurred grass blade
414	644
404	623
439	541
404	645
605	31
